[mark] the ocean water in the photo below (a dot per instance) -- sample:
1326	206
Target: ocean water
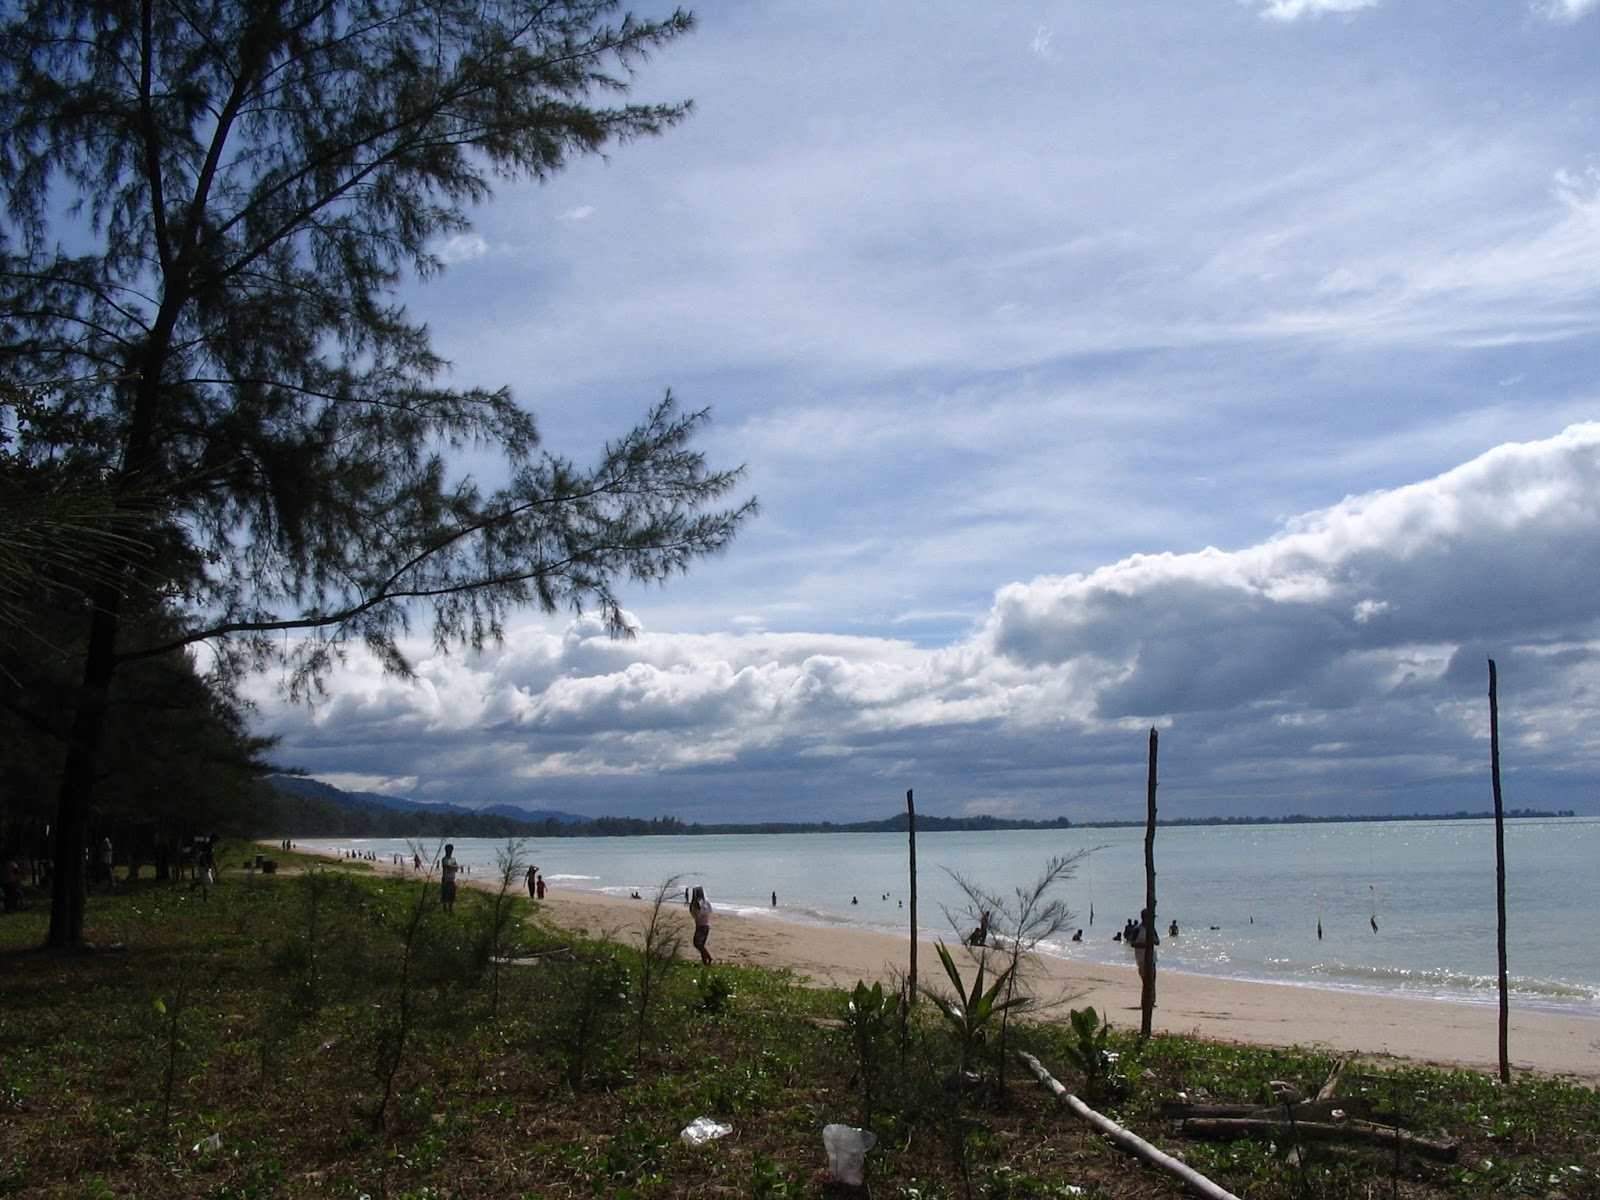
1248	900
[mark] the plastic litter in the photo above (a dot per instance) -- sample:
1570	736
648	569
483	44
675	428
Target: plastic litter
214	1142
702	1130
847	1149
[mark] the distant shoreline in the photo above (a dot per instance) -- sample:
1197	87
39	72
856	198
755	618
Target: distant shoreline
312	808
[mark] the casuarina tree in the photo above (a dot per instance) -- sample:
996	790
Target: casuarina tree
208	208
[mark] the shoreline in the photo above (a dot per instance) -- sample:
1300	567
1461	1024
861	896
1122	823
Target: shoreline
1527	1003
1421	1030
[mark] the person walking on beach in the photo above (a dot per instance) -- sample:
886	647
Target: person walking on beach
533	879
448	866
538	887
700	910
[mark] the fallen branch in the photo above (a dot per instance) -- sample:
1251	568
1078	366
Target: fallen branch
1131	1142
1319	1131
532	959
1306	1110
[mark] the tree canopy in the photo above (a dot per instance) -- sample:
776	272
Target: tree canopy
208	208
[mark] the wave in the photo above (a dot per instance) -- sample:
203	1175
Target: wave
1452	984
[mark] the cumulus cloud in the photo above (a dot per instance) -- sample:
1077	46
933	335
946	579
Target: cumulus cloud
1347	647
1500	548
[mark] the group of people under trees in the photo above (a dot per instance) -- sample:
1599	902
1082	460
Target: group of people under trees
199	857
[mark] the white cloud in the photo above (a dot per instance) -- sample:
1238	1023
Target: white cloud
1499	548
1564	10
461	248
371	783
1292	10
1300	648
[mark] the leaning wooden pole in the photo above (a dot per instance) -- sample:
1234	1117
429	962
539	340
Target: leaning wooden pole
1147	952
911	833
1499	871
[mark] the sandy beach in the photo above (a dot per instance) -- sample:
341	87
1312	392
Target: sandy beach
1418	1030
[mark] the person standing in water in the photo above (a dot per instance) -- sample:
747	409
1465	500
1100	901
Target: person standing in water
700	910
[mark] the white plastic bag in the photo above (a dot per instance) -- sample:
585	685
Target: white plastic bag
847	1149
702	1130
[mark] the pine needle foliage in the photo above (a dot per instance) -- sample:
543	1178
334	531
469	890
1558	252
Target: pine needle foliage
208	207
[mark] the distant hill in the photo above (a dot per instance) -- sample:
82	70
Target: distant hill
299	806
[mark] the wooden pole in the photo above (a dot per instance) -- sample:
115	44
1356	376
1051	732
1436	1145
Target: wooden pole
1499	871
911	833
1147	952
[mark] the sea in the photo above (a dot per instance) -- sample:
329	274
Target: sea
1398	907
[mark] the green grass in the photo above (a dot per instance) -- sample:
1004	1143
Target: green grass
334	1034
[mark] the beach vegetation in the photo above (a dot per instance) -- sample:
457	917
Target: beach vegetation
511	865
1089	1051
870	1017
657	954
1015	925
971	1010
539	1091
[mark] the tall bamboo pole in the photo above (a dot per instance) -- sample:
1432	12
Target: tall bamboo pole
1499	871
1147	952
911	833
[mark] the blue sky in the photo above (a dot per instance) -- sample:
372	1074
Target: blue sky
1222	366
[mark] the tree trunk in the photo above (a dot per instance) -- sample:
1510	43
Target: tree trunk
69	843
70	840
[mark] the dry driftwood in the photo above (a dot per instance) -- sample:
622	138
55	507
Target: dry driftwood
1320	1131
1131	1142
1306	1110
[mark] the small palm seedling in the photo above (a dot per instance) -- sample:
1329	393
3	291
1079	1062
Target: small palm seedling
869	1012
1091	1054
970	1010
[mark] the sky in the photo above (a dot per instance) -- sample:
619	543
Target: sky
1226	368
